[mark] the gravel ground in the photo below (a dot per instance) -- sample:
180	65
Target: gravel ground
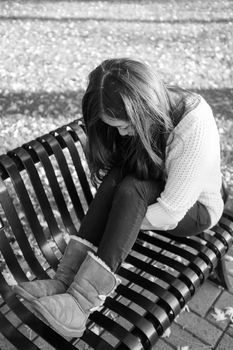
48	47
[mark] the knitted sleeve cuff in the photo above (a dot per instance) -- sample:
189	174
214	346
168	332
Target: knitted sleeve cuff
159	218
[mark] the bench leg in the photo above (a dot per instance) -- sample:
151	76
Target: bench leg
220	275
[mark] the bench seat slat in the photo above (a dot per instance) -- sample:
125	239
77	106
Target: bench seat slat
208	252
158	317
181	292
160	257
118	331
173	249
197	246
227	225
142	327
164	298
14	336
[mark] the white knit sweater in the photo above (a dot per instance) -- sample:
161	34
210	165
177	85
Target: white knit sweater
193	170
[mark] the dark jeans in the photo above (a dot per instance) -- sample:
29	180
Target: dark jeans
115	215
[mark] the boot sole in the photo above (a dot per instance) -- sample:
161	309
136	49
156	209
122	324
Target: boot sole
23	293
58	327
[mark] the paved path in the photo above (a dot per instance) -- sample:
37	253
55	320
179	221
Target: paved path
197	329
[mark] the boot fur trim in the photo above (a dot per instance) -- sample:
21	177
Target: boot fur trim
83	241
101	262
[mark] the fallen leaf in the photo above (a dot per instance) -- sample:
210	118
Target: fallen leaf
229	312
127	265
96	329
178	258
219	315
167	333
28	274
152	279
228	258
185	308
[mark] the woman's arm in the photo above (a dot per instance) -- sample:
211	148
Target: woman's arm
190	157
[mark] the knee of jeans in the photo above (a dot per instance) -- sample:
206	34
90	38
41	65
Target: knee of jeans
112	179
130	186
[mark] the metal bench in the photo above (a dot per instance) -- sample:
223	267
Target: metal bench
44	193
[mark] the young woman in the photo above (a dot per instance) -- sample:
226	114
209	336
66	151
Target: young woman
154	149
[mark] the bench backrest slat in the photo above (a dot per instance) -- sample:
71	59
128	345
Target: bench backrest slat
25	156
66	140
28	208
16	225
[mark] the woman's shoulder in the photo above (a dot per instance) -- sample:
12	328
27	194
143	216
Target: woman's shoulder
197	110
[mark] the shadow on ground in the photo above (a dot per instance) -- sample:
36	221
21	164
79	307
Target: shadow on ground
42	103
69	102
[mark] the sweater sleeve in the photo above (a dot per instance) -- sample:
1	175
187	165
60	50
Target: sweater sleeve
188	158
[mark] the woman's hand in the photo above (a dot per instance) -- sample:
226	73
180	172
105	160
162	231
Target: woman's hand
146	225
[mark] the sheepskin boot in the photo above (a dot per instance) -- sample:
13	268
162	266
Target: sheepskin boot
74	255
68	313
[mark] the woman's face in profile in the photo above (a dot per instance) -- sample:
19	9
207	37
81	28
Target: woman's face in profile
124	127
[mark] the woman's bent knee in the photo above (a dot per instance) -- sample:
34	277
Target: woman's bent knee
129	186
112	179
147	190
